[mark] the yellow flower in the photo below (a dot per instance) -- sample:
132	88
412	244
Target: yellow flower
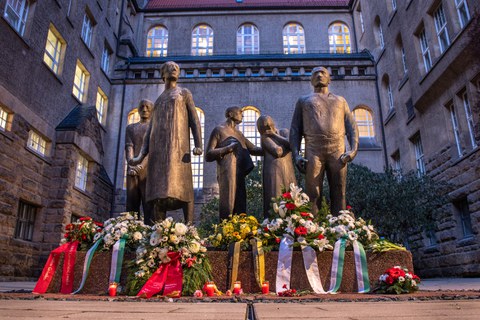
227	229
242	221
219	237
243	214
236	234
253	219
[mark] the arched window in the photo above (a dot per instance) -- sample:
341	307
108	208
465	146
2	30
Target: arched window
364	120
293	39
339	38
197	161
247	39
157	42
202	41
379	33
249	127
388	94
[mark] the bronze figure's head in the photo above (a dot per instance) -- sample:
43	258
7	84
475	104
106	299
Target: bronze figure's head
235	114
145	108
170	71
320	77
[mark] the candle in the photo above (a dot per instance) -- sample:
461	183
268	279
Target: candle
210	289
265	287
112	289
237	286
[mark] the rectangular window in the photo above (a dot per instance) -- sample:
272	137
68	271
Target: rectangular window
3	119
25	221
380	35
390	97
106	58
394	5
37	143
101	105
81	173
463	213
463	13
80	83
419	156
87	29
468	114
404	61
431	238
16	12
456	129
396	165
441	28
53	50
427	60
362	24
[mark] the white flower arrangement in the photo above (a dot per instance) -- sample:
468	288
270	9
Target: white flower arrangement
346	226
127	226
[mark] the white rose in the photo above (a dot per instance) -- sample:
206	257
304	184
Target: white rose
194	246
180	229
275	207
174	239
414	283
137	235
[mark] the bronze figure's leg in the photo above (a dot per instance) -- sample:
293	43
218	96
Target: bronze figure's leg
337	175
314	182
159	209
188	208
240	196
133	194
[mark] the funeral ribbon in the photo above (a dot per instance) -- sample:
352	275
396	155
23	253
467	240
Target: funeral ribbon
258	261
70	252
86	264
361	269
169	277
311	268
117	260
233	261
284	264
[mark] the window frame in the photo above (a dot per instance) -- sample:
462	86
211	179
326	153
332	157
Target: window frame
197	161
462	3
4	117
440	21
332	38
19	21
82	87
197	37
455	128
59	51
254	37
425	50
469	118
81	173
101	105
247	122
105	62
87	29
152	37
299	37
367	122
404	60
25	224
37	143
419	155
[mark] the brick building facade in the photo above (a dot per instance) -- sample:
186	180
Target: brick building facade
63	60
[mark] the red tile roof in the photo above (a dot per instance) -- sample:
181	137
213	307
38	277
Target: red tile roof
245	4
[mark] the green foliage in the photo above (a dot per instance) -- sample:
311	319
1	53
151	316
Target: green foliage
396	206
208	218
254	186
196	276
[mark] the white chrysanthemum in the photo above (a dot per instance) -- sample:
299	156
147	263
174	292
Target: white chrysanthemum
311	226
401	279
203	249
123	230
351	225
332	220
352	236
154	240
408	276
137	235
414	283
180	229
295	216
151	263
383	277
97	236
164	239
194	246
302	221
140	274
340	230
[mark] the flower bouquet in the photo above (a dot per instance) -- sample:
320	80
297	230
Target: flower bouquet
237	228
126	226
84	231
294	219
397	280
164	239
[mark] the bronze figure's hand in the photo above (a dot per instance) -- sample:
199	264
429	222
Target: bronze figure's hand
136	160
347	157
132	171
197	151
301	164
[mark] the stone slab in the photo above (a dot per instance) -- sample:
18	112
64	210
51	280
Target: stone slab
97	281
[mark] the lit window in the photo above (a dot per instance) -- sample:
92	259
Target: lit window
419	156
202	41
197	161
25	221
468	114
249	127
81	173
80	82
293	39
247	39
364	120
3	119
106	53
133	116
37	143
16	12
101	105
339	38
463	13
53	50
427	60
456	129
157	42
441	28
87	29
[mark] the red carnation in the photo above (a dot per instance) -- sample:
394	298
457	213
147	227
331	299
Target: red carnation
98	223
349	208
277	240
284	286
301	231
321	236
290	206
389	280
304	214
69	227
287	195
265	229
85	219
396	272
84	237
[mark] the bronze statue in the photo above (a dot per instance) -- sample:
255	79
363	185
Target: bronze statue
324	119
229	147
167	142
137	174
278	169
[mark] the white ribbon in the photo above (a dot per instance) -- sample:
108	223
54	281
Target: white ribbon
361	268
284	264
311	268
113	265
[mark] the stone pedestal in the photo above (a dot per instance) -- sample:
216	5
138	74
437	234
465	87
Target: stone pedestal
97	281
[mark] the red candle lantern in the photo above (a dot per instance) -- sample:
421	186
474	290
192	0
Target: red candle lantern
265	287
237	287
210	289
112	289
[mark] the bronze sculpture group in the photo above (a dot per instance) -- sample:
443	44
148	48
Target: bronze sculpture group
164	180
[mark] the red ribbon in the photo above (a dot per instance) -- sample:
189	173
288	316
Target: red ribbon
70	250
169	277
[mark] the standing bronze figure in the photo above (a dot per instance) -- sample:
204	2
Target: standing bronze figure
137	174
324	119
229	147
167	142
278	169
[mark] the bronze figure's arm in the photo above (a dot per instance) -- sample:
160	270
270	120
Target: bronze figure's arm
296	134
253	149
351	130
269	146
214	151
194	123
145	148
